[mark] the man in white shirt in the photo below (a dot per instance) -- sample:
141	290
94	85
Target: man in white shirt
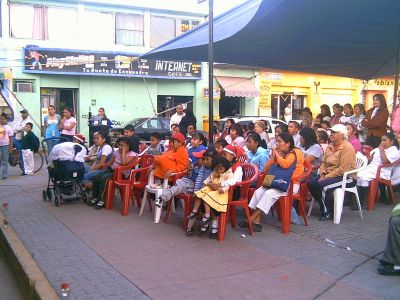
294	128
177	117
20	129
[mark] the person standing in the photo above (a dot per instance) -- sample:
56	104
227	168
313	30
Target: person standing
177	117
99	123
19	129
187	119
30	145
6	144
375	121
51	123
68	124
357	118
287	115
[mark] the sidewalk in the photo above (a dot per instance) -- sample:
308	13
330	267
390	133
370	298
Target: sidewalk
103	255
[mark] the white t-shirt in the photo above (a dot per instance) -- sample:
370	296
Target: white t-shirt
345	119
296	139
5	133
106	150
176	119
66	151
68	122
316	151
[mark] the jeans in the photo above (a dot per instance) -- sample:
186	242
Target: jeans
4	153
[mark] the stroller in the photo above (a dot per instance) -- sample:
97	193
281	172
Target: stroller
66	168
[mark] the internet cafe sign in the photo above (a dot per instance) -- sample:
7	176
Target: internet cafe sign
72	62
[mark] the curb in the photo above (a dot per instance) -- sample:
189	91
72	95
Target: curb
30	279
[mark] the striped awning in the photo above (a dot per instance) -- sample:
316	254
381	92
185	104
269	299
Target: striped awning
237	86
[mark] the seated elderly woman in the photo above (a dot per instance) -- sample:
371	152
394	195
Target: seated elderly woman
339	157
285	155
386	153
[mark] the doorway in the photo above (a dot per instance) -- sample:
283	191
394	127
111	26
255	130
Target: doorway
229	106
166	104
287	106
60	99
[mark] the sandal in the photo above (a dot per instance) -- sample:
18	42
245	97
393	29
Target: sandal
203	228
193	215
205	221
189	231
99	205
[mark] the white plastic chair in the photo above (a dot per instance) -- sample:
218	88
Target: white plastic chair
338	194
157	191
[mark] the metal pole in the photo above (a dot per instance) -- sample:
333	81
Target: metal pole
210	72
396	80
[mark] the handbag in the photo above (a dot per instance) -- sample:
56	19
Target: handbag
278	177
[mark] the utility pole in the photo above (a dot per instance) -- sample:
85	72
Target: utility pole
210	70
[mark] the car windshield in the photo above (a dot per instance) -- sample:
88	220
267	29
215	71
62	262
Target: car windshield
135	122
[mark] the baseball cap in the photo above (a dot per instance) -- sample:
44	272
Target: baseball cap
24	111
231	149
339	128
81	138
199	154
178	136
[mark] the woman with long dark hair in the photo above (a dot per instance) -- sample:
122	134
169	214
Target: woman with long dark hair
285	155
67	124
376	120
357	118
256	154
228	124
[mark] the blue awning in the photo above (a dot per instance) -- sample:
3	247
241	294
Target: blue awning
356	38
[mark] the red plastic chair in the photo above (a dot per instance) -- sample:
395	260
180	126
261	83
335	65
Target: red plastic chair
373	186
250	174
366	151
140	177
122	183
187	199
285	202
242	158
259	182
223	218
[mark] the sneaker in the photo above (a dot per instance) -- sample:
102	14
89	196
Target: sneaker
324	217
213	235
92	202
99	205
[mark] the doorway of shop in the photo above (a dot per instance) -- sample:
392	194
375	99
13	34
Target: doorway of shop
229	106
166	104
287	106
60	99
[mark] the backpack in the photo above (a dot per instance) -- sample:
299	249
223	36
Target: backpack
36	143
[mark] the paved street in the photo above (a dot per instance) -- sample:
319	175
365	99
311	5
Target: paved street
106	256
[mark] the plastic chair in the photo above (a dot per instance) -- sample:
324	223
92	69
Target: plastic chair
223	218
157	191
373	186
123	184
285	203
250	174
242	158
139	178
338	194
187	199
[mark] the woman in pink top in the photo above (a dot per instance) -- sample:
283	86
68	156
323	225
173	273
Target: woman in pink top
68	124
235	136
122	157
352	137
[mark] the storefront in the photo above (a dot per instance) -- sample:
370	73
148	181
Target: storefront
283	95
127	87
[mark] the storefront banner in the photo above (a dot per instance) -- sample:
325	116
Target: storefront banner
75	62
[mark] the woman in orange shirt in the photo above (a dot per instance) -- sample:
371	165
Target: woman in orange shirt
284	155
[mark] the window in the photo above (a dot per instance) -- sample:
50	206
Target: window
23	86
28	22
162	30
129	29
97	28
188	24
62	24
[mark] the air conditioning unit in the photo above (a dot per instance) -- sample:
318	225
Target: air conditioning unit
24	87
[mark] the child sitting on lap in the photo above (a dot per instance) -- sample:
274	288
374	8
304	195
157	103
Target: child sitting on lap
212	196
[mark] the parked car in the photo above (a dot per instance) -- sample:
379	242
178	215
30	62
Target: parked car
144	127
245	120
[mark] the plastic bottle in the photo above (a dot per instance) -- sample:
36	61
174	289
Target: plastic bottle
330	243
65	290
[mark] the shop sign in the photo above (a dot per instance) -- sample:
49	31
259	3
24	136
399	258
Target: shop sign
271	76
72	62
216	96
187	25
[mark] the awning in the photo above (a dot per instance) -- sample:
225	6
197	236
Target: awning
238	86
